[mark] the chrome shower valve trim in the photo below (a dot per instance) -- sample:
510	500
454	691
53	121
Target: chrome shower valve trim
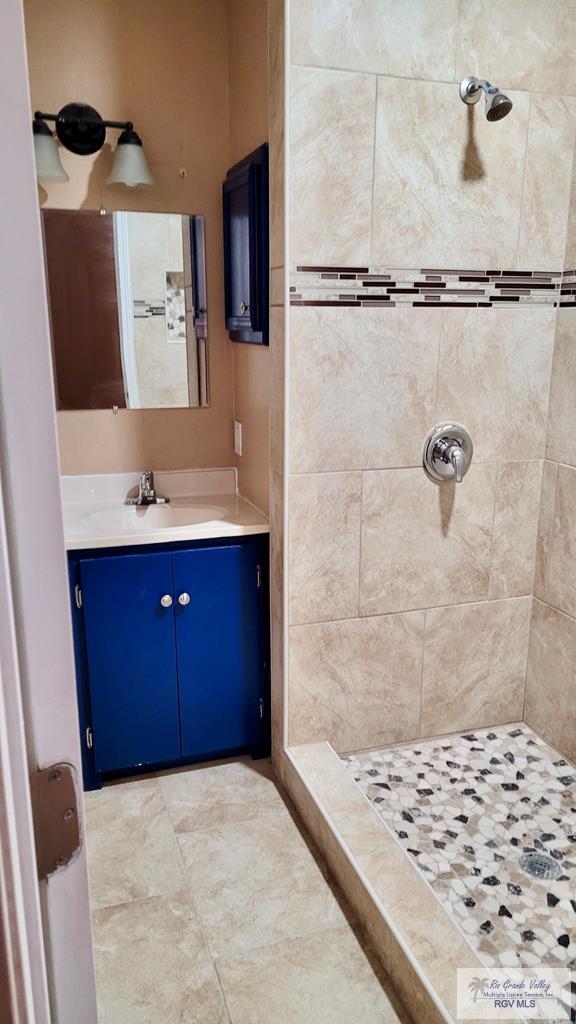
447	453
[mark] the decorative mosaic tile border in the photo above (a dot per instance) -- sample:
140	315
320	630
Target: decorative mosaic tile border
568	288
393	286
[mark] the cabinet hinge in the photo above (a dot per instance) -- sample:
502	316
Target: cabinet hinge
78	595
89	738
261	708
258	576
55	813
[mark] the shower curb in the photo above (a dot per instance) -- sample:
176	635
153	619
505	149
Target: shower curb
406	926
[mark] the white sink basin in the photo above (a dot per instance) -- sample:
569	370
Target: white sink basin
153	517
88	525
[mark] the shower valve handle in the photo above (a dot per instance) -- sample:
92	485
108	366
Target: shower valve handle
456	456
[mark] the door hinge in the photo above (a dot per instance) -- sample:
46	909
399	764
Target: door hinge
258	576
89	738
261	708
78	595
55	813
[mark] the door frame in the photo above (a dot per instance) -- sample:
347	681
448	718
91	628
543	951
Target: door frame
45	927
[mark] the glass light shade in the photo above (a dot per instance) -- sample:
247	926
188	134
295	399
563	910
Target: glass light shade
48	166
130	165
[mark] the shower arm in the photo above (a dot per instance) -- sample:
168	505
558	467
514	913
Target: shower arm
471	89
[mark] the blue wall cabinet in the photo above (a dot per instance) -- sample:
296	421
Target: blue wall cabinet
171	652
246	248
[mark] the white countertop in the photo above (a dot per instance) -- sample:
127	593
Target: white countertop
203	505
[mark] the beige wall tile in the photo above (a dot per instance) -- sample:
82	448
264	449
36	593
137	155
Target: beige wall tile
570	258
277	610
547	183
545	528
440	197
561	441
391	37
324	546
362	386
522	44
276	543
561	590
493	376
331	146
551	681
277	689
422	544
356	682
474	665
518	486
276	417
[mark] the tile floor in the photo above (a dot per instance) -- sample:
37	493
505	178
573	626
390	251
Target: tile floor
208	908
466	809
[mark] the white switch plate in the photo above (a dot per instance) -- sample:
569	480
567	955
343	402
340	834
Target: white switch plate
237	437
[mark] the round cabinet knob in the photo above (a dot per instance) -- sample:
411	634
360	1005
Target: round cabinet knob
166	601
184	599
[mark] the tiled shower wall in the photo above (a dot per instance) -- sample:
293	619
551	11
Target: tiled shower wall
551	678
409	605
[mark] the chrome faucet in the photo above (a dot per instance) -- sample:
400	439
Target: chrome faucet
146	493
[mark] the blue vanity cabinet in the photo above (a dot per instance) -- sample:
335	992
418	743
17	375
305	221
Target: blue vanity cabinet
131	655
172	654
218	644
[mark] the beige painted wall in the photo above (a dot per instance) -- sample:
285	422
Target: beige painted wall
164	66
409	606
248	47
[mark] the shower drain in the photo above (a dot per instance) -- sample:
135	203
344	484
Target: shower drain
540	865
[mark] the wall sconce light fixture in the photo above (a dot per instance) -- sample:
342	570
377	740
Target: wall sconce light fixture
82	130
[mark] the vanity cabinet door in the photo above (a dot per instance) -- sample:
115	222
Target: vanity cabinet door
219	647
131	659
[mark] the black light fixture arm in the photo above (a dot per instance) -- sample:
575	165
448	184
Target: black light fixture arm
62	118
81	129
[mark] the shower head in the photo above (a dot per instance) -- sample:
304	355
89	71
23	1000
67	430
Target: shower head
497	103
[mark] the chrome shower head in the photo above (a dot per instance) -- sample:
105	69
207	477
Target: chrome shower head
497	103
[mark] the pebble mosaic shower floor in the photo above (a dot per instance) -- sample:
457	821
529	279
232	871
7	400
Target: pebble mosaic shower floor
466	809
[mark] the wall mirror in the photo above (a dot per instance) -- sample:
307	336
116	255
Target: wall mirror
127	295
